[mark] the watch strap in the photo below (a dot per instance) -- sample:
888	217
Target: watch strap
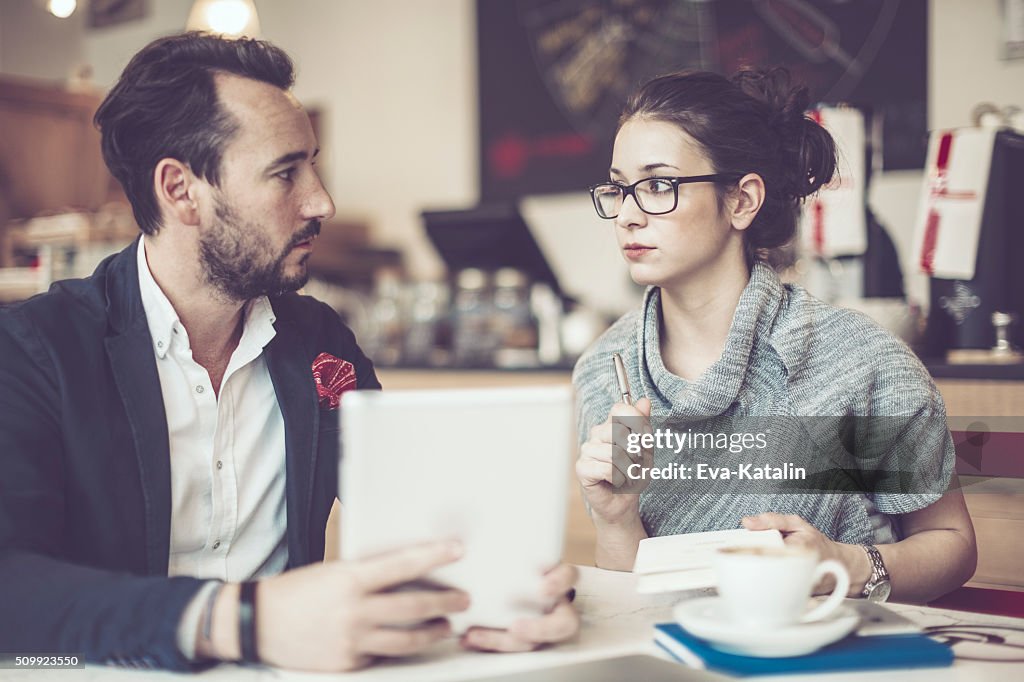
879	572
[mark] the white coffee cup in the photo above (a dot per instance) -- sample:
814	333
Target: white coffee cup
770	586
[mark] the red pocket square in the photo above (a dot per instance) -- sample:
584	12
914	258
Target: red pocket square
333	376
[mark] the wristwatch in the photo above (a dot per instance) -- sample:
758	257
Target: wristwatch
877	587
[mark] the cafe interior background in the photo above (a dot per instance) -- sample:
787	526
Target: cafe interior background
458	138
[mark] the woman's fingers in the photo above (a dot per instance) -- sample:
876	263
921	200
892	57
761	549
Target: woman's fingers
610	432
527	634
643	406
604	452
560	624
613	469
487	639
601	452
624	411
591	472
560	580
786	523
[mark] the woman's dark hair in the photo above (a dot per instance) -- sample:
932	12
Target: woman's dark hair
165	106
752	123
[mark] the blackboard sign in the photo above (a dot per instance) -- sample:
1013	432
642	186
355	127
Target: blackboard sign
554	74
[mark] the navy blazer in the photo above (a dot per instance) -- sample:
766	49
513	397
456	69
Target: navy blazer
85	482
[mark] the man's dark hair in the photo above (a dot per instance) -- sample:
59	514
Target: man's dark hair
165	106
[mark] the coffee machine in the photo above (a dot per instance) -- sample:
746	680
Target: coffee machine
984	311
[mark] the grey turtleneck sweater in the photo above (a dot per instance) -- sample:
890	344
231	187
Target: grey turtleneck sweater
787	355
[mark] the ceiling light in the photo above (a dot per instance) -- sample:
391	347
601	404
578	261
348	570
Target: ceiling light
62	9
232	18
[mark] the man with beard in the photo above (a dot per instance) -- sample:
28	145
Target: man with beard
168	443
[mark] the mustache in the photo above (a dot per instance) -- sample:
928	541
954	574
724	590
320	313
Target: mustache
312	229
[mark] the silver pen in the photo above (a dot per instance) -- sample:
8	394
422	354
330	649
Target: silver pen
620	378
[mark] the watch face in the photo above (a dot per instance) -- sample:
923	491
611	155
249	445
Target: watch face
880	592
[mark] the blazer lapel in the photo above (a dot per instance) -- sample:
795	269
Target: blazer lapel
131	358
129	348
292	376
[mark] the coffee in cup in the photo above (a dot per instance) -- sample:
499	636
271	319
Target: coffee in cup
771	586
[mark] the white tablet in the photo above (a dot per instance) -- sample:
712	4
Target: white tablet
489	467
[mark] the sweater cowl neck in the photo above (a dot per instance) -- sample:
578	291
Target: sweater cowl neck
716	390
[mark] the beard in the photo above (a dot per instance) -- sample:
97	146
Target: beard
240	263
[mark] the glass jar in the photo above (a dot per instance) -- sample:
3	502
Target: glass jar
473	341
387	319
427	338
514	326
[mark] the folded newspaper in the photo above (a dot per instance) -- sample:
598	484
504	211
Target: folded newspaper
684	562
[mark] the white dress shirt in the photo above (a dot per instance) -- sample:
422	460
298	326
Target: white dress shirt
227	450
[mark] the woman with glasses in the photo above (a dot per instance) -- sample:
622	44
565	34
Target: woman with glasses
707	174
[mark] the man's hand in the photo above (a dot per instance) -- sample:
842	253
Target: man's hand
558	624
337	616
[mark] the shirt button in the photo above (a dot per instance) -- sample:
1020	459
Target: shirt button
159	344
216	545
199	389
220	464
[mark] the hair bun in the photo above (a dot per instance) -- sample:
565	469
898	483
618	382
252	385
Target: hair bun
806	143
773	87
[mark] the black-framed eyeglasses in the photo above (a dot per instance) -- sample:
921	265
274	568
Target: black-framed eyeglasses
654	196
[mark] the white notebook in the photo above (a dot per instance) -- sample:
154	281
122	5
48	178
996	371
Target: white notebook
683	562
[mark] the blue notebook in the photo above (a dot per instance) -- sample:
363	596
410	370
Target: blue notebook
852	653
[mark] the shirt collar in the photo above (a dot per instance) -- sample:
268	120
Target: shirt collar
164	324
160	314
258	328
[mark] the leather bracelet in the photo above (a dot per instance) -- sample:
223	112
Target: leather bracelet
247	622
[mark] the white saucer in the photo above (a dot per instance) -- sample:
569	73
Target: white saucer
703	618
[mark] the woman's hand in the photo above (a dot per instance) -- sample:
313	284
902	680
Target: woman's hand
796	532
602	467
557	625
603	472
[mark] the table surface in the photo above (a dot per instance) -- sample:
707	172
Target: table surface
616	621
